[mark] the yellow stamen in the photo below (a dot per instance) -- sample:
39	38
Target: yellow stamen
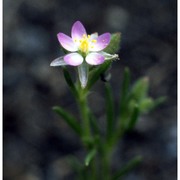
85	43
94	40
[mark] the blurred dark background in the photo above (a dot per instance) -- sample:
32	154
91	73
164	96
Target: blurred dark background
36	141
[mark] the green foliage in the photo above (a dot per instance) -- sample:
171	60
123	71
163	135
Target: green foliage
109	111
140	89
95	74
134	101
70	119
133	118
114	45
69	81
128	167
90	156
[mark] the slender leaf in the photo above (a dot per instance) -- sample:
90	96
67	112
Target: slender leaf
90	156
125	86
94	125
123	105
125	89
109	111
70	120
134	118
70	82
128	167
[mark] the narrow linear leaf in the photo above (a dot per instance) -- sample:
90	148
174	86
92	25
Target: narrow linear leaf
109	111
125	88
126	81
134	118
128	167
90	156
70	120
94	125
96	73
123	104
69	81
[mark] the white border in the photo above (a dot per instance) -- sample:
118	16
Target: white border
178	98
1	120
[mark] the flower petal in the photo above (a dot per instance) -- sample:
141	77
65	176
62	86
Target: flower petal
102	42
58	62
78	31
73	59
83	74
94	58
66	42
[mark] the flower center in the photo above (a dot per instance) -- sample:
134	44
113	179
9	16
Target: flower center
85	43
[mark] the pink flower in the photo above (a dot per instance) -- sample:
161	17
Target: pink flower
83	49
82	46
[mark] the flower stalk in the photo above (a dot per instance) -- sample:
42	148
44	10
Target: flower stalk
84	111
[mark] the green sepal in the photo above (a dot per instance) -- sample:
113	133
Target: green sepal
114	44
70	120
90	156
128	167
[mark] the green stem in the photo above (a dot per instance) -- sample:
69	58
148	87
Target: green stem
106	164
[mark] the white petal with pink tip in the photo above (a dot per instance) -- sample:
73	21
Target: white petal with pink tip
78	31
102	42
94	59
73	59
66	42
